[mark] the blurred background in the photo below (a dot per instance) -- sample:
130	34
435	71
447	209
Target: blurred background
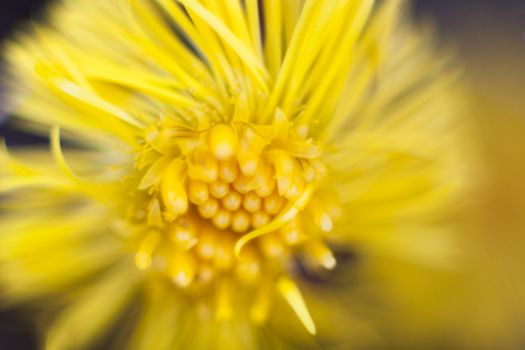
489	37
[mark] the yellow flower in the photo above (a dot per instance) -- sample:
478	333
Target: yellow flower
223	154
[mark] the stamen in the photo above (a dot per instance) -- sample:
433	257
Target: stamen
286	216
198	192
322	219
232	201
293	296
224	258
273	203
172	190
265	188
260	219
240	221
222	141
183	235
272	247
251	202
248	268
228	170
219	189
183	268
206	247
145	250
222	219
292	233
203	166
209	208
321	254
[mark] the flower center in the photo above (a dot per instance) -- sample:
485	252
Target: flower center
212	192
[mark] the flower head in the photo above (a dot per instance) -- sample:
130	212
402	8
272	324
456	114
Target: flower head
223	150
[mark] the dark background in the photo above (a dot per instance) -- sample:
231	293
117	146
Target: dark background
482	32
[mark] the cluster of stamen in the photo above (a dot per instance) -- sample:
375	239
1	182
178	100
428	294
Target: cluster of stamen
222	189
230	205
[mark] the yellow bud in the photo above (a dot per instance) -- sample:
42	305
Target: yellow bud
206	247
172	189
209	208
182	268
273	203
222	219
183	235
240	221
222	141
219	189
251	202
228	170
260	219
198	192
203	166
265	188
232	201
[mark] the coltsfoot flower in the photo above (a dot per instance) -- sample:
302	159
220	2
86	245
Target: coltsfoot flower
221	155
